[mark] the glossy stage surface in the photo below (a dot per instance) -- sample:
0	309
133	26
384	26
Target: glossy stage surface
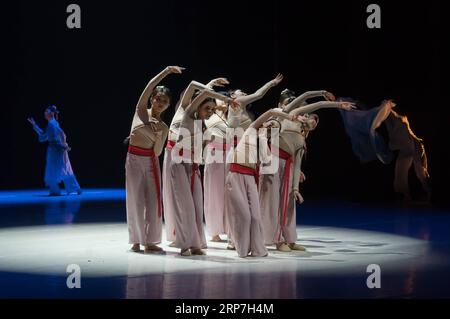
41	236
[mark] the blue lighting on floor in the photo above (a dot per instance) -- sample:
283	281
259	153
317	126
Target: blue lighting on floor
41	196
35	207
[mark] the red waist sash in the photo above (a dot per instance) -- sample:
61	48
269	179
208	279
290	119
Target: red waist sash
241	169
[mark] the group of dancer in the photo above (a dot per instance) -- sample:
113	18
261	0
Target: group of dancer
254	212
251	177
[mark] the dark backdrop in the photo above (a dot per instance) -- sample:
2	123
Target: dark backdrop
95	75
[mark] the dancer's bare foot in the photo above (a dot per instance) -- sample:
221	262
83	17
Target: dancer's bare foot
298	247
173	244
197	252
216	239
153	249
283	247
136	248
185	252
231	246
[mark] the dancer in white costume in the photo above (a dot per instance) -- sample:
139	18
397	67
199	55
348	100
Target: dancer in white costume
187	201
219	147
279	191
168	197
143	186
241	189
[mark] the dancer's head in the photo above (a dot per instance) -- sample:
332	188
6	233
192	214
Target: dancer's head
236	93
51	113
159	100
206	108
312	120
286	97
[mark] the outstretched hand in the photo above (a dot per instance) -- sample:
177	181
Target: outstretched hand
31	120
347	106
330	96
277	79
175	69
221	82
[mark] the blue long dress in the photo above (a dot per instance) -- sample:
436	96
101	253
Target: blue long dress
58	168
367	143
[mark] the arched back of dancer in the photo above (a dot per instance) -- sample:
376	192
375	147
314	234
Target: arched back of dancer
168	197
58	168
245	99
187	201
241	189
271	185
280	191
215	173
143	183
368	145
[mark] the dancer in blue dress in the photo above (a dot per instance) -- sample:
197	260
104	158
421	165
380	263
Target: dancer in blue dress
368	144
58	168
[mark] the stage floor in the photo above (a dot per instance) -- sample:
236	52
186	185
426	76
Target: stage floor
41	236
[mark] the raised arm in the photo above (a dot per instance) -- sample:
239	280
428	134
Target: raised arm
322	105
41	134
259	94
309	95
272	113
192	108
385	110
189	92
141	108
194	86
217	82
